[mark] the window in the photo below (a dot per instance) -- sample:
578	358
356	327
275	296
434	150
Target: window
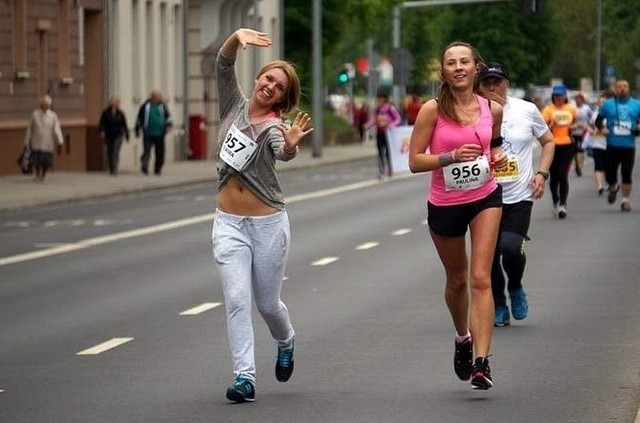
20	38
64	25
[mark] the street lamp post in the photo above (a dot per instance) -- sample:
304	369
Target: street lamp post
318	128
599	46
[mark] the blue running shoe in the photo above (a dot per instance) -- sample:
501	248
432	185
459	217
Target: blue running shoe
241	390
501	317
284	363
519	304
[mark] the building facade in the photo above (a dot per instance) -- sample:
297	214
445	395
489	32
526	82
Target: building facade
52	47
82	52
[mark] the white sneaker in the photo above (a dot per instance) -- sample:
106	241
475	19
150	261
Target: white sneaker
562	212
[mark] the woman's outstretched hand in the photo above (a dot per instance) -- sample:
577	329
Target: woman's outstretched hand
247	36
299	129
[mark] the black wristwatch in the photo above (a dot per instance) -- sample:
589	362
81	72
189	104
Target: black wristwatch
545	175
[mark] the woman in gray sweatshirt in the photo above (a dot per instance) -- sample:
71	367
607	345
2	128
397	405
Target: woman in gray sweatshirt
251	234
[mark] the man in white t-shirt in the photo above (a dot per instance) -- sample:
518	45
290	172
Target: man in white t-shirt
522	124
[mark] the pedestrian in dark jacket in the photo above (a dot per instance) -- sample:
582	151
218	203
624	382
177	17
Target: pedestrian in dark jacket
155	121
113	128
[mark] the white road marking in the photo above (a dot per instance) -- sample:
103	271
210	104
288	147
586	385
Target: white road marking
400	232
1	391
102	222
51	223
105	346
367	245
325	261
50	244
93	242
332	191
174	198
18	224
200	309
100	240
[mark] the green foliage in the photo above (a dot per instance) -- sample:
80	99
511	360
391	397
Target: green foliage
559	41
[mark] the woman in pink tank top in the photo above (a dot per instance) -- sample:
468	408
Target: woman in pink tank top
457	138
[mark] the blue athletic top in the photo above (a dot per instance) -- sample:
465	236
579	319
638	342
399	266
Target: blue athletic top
622	121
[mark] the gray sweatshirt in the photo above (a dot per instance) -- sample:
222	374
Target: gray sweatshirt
259	176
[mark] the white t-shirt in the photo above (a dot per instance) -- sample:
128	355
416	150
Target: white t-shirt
522	124
583	119
599	141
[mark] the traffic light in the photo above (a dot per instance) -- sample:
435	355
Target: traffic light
343	77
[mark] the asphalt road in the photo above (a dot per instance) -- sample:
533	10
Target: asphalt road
365	290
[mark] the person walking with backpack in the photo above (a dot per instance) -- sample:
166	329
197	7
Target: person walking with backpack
155	121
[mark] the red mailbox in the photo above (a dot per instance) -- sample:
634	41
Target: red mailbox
197	137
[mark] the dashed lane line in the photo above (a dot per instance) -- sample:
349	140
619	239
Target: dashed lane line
200	309
105	346
325	261
93	242
367	246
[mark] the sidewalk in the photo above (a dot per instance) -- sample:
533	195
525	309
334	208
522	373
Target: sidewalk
19	192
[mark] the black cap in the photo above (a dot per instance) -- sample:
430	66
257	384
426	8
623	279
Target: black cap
494	70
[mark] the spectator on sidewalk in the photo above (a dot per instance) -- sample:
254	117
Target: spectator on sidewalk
413	107
360	118
155	121
43	130
113	127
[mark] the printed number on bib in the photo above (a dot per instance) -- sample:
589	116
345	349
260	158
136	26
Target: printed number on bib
511	172
622	128
237	149
467	175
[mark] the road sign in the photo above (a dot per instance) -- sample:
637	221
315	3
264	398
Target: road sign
609	71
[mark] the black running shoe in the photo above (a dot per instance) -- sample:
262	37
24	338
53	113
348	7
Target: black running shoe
613	191
241	390
481	374
463	358
284	363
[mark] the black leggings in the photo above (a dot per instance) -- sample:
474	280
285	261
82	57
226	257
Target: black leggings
510	248
384	160
619	157
559	173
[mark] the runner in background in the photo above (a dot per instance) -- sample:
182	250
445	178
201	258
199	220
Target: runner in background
596	143
583	118
522	124
560	116
622	114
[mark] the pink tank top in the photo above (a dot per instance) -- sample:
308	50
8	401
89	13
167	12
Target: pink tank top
448	135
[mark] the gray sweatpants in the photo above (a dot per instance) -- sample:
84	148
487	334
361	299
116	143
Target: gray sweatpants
251	256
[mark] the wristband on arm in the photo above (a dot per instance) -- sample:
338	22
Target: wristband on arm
445	159
496	142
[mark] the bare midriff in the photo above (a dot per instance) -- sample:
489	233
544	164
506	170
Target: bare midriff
236	198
